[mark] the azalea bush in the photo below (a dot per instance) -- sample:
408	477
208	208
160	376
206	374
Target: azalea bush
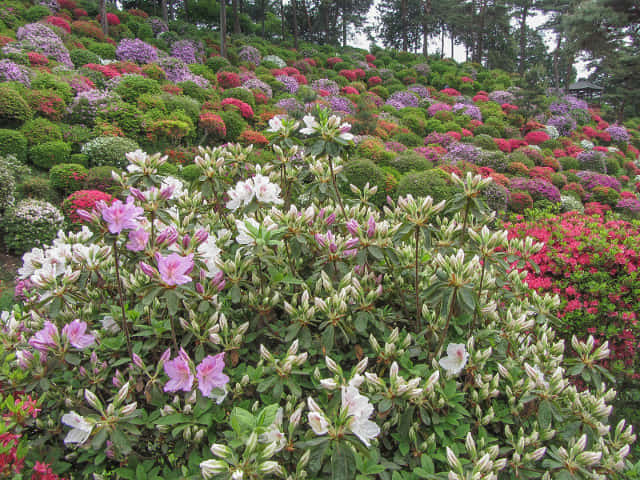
279	329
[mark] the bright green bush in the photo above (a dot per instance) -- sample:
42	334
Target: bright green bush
47	81
103	50
188	105
362	171
241	94
35	13
569	163
409	160
82	56
408	139
13	142
41	130
14	109
190	173
67	177
109	151
234	123
131	87
193	90
485	142
434	183
48	154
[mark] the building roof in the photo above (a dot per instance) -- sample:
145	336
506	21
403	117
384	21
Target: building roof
584	85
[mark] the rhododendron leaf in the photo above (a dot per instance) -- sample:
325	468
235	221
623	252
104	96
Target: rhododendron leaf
241	421
172	419
343	463
172	301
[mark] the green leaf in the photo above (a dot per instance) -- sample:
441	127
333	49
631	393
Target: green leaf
343	463
241	420
544	414
172	301
171	419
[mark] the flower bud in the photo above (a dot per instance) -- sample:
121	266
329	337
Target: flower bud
221	451
128	409
92	399
209	468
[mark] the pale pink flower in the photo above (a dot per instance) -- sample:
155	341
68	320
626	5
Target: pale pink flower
45	338
75	333
122	216
179	373
209	374
174	268
456	358
137	240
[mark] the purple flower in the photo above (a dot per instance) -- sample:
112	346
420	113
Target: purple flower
593	179
122	216
420	90
352	226
290	83
341	105
177	71
179	373
470	110
12	72
209	374
135	50
39	37
45	338
618	133
326	85
501	96
403	99
257	84
394	146
137	240
289	105
250	54
174	268
630	204
438	107
458	151
75	333
186	50
371	227
563	123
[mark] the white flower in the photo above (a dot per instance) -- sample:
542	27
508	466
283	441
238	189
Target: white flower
177	185
237	475
456	358
210	254
275	124
356	381
274	433
80	428
265	191
32	261
311	125
318	422
9	322
109	324
240	195
133	168
359	409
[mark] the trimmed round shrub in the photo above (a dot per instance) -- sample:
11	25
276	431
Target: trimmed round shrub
569	203
569	163
80	159
485	142
83	200
592	160
613	166
408	139
241	94
82	56
13	142
7	188
103	50
605	195
101	178
217	63
36	187
520	201
188	105
496	196
409	160
31	223
195	91
109	151
35	13
493	159
67	177
48	154
14	109
131	87
41	130
360	172
434	183
234	123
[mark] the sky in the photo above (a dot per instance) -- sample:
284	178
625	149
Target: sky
360	40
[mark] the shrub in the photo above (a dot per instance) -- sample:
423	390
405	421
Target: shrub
83	200
41	130
36	187
434	183
135	50
103	50
606	195
13	142
520	201
359	172
241	94
67	177
131	87
193	90
234	124
569	203
14	109
408	139
188	105
101	178
48	154
46	103
410	161
485	142
35	13
496	196
216	63
228	79
592	160
82	56
569	163
7	188
109	151
30	224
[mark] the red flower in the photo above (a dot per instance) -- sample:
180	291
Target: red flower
244	108
228	79
537	137
59	22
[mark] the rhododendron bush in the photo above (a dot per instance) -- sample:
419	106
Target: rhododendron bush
257	325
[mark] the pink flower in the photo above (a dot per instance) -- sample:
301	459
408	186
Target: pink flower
137	240
122	216
179	373
75	333
209	374
174	268
45	338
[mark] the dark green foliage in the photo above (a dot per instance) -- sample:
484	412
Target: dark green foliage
132	86
496	160
35	13
191	89
409	160
241	94
36	187
100	178
12	142
80	159
434	183
360	172
188	105
103	50
487	130
168	169
124	115
47	81
14	109
48	154
416	122
234	123
408	139
40	130
496	197
485	142
569	163
67	177
81	57
605	195
520	157
613	166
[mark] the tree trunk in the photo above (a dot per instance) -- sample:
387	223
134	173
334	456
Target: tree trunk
295	23
236	17
556	62
325	21
103	17
442	43
568	72
307	17
344	23
403	18
426	12
472	27
282	19
185	5
480	33
164	11
263	9
523	38
223	28
452	42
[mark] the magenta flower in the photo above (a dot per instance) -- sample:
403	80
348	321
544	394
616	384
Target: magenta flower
209	374
179	373
45	338
137	240
75	333
122	216
174	268
352	226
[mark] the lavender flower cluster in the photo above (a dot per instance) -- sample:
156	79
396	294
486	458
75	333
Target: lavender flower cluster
341	105
537	188
458	151
618	133
470	110
187	51
135	50
502	96
420	90
422	69
632	205
40	38
290	84
326	85
403	99
158	25
250	54
177	71
289	105
85	105
575	103
438	107
565	124
394	146
253	83
559	108
12	72
593	160
435	138
593	179
429	153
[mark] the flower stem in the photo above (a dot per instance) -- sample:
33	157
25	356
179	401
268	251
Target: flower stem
125	327
475	312
443	336
335	187
417	281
